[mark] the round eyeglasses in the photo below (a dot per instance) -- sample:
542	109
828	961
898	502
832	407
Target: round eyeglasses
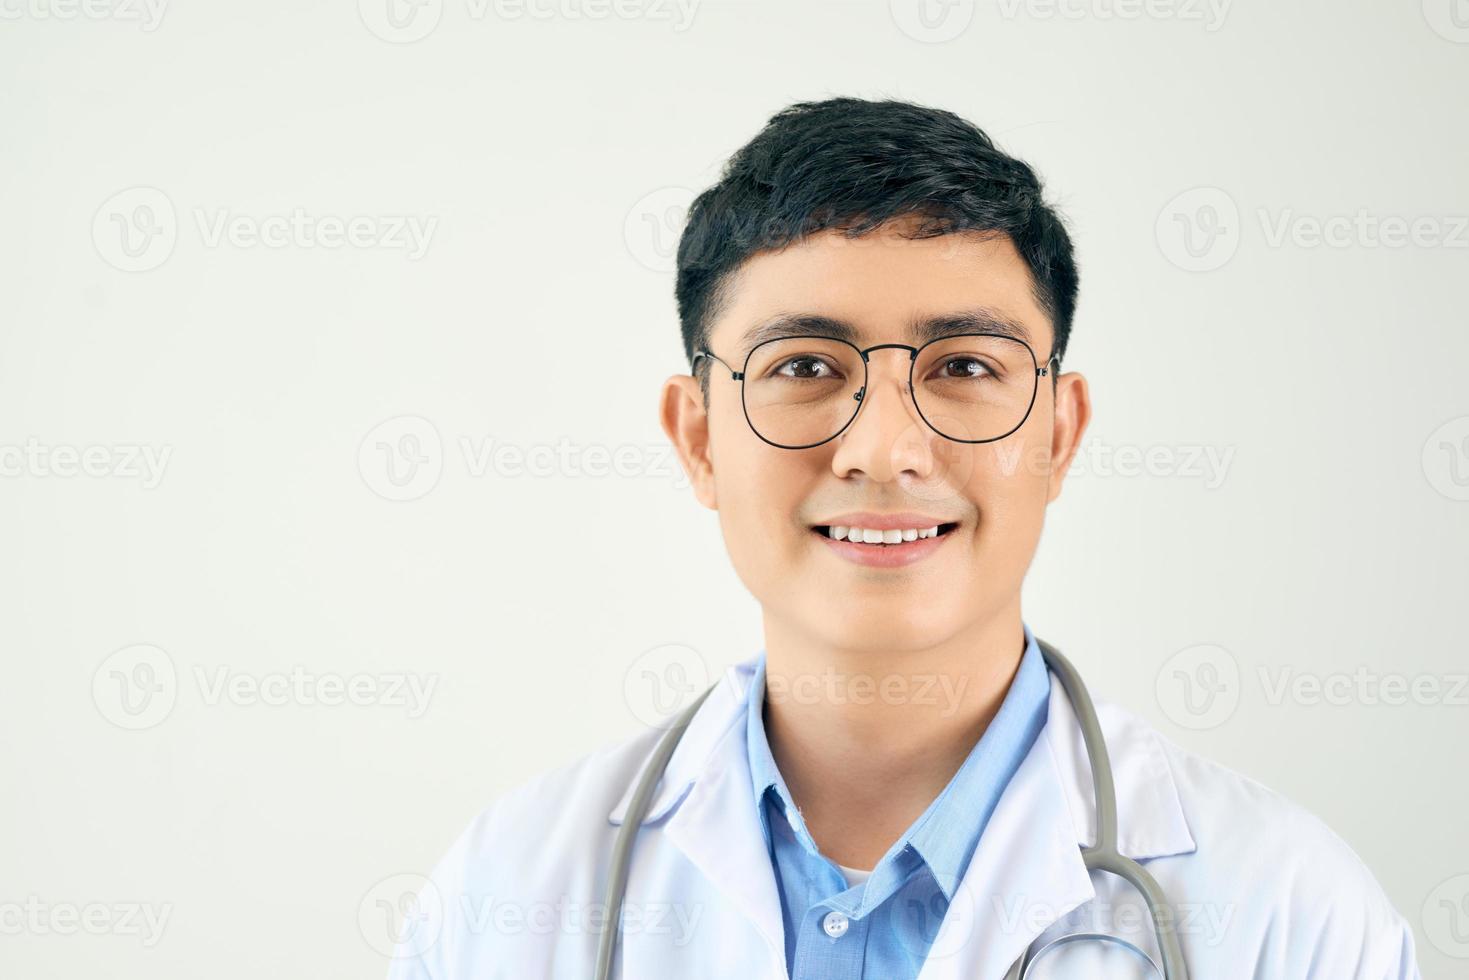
800	392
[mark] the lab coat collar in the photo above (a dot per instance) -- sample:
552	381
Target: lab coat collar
1027	871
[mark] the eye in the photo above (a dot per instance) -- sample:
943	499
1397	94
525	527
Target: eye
969	367
806	366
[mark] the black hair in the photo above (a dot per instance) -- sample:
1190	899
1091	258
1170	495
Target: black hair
851	165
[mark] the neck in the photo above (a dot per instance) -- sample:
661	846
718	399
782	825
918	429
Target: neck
866	739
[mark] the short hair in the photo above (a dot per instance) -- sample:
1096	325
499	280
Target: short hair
851	165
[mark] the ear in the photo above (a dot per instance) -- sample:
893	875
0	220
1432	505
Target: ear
681	412
1073	412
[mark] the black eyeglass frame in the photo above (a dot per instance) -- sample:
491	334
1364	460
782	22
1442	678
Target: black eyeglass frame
913	352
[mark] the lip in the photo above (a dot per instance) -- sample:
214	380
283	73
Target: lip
883	522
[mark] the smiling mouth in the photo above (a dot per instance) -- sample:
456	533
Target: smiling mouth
884	539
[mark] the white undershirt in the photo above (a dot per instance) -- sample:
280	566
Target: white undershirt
852	875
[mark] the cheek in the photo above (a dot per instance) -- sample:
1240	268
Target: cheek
760	490
1009	482
759	551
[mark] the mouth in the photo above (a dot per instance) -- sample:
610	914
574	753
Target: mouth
881	537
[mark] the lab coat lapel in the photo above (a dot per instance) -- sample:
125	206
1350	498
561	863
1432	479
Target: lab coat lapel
1027	871
718	830
714	823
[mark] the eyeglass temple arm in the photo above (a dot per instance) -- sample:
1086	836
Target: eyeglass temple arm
737	375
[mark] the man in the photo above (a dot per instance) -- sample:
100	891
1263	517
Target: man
875	302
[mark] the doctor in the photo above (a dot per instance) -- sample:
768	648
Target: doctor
875	301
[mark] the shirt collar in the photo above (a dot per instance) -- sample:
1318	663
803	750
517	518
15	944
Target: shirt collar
763	771
947	832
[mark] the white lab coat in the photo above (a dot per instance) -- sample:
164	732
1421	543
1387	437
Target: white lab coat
1264	890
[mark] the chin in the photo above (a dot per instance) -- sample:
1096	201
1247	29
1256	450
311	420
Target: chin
882	627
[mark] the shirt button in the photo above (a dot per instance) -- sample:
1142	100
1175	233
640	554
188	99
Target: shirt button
834	924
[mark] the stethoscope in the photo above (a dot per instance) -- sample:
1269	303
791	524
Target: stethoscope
1103	856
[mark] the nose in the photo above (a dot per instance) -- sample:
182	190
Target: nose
888	437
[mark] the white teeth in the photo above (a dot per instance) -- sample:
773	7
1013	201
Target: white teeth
867	535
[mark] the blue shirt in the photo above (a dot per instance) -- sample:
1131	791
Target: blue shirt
882	928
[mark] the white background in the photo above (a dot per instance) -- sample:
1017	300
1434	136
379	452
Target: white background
549	156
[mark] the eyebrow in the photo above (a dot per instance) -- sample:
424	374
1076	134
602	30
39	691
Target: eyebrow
921	330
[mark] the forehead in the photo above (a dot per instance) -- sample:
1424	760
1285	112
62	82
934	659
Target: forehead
882	287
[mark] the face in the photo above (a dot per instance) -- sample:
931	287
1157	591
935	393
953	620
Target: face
887	468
